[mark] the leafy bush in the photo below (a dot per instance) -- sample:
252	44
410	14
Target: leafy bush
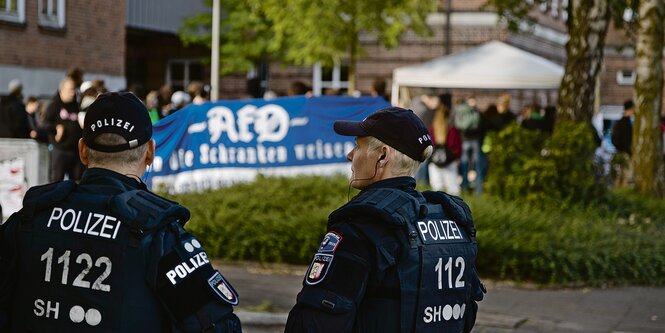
283	220
531	166
580	246
270	220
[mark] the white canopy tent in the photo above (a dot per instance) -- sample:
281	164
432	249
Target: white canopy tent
493	65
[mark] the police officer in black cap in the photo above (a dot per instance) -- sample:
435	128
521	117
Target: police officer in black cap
107	255
394	259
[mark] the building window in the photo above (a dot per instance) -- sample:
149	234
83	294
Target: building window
626	77
181	72
543	7
52	13
12	11
554	9
329	80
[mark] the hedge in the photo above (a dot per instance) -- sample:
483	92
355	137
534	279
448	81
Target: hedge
621	241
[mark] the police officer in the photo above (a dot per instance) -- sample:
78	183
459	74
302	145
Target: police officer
393	259
107	255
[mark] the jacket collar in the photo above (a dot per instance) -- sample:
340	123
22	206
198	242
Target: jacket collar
110	179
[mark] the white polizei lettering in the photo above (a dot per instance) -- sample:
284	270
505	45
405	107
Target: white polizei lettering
190	269
112	122
439	230
92	231
87	223
76	225
171	276
55	210
200	260
455	231
96	224
434	234
445	231
106	225
423	228
73	219
117	228
185	268
181	271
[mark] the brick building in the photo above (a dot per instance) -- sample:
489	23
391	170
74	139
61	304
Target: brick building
41	39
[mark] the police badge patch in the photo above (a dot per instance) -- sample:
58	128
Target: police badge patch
318	269
223	289
330	242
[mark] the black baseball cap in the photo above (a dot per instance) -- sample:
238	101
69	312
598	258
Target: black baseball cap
397	127
119	113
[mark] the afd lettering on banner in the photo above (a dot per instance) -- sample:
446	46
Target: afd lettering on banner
217	144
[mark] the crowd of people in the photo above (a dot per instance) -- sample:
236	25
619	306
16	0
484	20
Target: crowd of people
58	121
459	161
462	145
460	132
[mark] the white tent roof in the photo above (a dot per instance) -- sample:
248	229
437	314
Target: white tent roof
493	65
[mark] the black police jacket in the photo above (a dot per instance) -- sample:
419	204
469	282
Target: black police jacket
366	275
107	255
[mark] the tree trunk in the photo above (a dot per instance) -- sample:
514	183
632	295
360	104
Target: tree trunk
647	158
587	26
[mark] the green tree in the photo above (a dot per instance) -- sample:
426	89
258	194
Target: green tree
303	32
647	155
587	24
246	35
329	30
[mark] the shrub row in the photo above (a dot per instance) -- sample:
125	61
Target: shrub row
283	220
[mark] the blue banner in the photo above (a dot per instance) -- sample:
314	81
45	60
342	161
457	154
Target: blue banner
217	144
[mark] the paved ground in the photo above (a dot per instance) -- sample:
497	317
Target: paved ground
268	292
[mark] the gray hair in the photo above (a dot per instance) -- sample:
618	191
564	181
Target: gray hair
403	165
123	157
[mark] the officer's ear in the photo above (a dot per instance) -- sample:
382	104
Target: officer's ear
385	156
150	153
83	153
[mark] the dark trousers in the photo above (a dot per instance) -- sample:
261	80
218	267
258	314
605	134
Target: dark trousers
65	162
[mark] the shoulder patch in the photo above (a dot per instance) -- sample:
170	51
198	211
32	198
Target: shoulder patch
318	269
330	242
223	289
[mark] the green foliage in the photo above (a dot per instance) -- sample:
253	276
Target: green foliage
303	32
326	31
575	246
246	35
533	167
618	241
513	12
270	220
